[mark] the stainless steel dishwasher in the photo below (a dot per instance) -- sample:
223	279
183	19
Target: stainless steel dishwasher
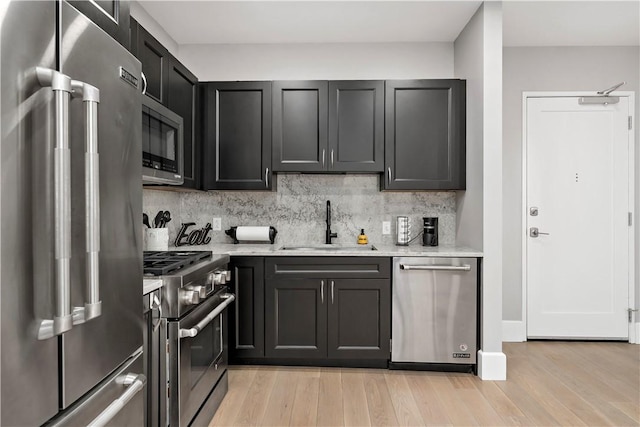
434	313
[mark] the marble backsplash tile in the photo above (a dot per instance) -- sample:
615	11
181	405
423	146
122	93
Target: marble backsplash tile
298	209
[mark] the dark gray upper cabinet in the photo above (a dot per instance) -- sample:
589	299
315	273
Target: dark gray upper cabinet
110	15
155	65
425	135
246	314
356	126
237	136
182	99
335	126
299	126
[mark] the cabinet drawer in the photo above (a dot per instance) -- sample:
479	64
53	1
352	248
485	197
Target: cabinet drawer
325	267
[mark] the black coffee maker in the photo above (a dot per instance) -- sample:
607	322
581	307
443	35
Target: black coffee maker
430	232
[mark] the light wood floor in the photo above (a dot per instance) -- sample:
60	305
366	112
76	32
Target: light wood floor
549	383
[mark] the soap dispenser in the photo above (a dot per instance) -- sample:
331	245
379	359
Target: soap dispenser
362	238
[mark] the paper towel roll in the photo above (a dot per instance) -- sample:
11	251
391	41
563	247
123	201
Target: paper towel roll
256	234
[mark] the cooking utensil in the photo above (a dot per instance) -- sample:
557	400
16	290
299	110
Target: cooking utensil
166	218
145	220
158	219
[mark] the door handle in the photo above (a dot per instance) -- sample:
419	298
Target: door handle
144	83
323	151
90	98
322	291
389	174
190	333
62	320
266	177
134	383
332	286
533	232
465	267
332	158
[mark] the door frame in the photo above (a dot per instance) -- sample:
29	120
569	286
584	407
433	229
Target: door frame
634	337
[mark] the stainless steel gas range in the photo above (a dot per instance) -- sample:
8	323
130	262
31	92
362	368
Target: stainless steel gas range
193	369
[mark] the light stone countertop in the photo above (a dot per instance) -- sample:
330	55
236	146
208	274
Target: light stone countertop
266	249
150	285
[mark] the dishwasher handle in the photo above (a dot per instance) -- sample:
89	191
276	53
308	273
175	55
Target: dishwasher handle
465	267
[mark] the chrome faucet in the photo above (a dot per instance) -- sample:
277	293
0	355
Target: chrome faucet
329	234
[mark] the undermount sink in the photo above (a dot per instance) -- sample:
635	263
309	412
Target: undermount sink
330	248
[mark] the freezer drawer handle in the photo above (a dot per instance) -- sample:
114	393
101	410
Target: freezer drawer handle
134	383
62	318
90	98
464	267
190	333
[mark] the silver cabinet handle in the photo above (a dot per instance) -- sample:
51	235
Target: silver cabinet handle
389	174
155	304
534	232
323	152
90	98
332	285
62	318
190	333
144	83
331	158
322	291
266	177
465	267
134	383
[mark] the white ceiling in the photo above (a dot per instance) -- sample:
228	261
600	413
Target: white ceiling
526	23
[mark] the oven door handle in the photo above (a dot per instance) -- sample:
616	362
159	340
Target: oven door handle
190	333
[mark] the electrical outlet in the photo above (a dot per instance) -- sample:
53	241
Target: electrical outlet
216	224
386	227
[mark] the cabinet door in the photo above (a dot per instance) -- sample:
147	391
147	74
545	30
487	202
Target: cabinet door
356	126
246	315
155	65
182	100
238	136
296	318
110	15
300	126
359	318
425	135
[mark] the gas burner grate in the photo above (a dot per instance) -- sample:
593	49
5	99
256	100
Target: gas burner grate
161	263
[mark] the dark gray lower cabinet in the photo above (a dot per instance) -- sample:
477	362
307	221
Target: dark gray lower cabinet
359	319
327	308
296	319
246	315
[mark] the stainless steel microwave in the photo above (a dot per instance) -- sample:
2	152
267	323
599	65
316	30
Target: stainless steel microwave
162	144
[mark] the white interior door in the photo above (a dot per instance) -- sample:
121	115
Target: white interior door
577	194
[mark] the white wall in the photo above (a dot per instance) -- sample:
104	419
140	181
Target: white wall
324	61
552	69
151	25
478	58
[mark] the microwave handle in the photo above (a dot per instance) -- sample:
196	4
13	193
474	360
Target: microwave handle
144	83
192	332
90	100
62	320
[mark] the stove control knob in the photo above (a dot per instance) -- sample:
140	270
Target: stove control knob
189	297
201	290
227	275
219	278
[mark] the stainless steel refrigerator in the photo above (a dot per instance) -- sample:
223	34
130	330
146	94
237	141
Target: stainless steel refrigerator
70	229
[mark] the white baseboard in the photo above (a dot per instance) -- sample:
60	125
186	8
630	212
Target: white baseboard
634	333
492	366
514	331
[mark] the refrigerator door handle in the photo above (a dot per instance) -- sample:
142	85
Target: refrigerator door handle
134	383
90	99
62	317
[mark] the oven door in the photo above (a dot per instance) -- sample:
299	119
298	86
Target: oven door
197	357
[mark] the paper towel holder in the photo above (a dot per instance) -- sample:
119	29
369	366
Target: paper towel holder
232	233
